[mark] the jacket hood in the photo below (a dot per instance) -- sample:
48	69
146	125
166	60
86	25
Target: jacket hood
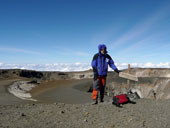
102	46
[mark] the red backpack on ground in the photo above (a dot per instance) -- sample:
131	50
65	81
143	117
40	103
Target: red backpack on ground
120	99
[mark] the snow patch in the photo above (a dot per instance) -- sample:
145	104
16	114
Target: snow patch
20	89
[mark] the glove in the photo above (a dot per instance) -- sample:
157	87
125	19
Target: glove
95	76
117	71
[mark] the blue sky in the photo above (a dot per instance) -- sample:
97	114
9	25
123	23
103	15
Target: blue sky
69	31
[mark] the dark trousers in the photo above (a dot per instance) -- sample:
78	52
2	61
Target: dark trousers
99	88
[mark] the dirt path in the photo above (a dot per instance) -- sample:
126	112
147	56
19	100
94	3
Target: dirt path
144	114
64	92
77	112
60	91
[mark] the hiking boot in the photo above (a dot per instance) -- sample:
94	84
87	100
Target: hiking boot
95	102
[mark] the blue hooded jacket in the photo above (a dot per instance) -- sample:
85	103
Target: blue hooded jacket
101	61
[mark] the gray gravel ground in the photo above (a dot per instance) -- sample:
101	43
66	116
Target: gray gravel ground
145	114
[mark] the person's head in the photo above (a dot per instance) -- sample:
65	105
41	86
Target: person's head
102	48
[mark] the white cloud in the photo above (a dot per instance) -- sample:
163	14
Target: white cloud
77	66
140	28
11	49
78	53
1	63
68	52
146	65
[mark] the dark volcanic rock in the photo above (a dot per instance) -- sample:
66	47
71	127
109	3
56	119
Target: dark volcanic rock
6	73
44	75
31	74
62	73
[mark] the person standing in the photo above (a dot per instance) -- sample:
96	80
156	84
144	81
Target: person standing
100	63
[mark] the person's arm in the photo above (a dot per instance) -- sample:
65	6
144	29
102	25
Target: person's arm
94	66
112	65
